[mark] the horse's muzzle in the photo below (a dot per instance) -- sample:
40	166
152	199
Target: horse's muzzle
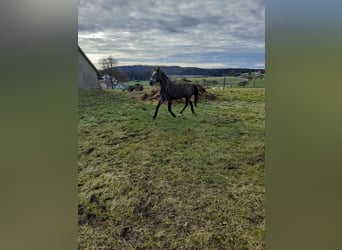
151	83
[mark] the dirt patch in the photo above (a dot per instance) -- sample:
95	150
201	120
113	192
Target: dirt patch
89	151
153	95
200	88
208	96
256	159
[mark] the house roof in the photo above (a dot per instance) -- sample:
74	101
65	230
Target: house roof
91	64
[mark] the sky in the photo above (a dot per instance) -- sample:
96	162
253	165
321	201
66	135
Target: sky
194	33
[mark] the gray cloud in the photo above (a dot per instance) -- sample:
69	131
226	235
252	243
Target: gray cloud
181	32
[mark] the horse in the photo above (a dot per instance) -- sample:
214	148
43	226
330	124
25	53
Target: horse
170	91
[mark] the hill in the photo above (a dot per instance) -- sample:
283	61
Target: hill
143	72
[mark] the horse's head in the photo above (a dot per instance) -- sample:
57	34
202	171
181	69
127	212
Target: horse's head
156	76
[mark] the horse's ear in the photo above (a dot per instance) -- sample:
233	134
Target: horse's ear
158	68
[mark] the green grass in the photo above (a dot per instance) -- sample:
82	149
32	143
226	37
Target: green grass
194	182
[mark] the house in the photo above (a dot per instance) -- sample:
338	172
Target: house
106	82
88	75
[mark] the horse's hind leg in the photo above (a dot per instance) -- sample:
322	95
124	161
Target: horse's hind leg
186	104
169	103
192	107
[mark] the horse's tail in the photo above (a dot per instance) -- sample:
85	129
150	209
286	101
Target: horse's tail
196	94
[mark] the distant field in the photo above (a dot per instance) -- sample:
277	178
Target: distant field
231	81
194	182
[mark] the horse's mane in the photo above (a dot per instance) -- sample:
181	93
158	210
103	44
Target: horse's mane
163	75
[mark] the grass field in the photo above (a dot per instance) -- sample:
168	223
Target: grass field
194	182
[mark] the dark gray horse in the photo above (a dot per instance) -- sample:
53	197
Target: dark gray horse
170	91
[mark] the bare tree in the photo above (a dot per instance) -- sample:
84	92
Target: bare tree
107	65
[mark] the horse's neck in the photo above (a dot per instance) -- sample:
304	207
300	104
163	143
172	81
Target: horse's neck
165	81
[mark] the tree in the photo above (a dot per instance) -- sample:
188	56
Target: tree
119	75
107	65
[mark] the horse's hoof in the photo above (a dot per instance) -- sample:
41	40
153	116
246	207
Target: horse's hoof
179	115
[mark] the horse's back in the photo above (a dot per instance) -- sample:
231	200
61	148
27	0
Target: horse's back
180	90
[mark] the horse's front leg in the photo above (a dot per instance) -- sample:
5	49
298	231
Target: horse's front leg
169	104
161	100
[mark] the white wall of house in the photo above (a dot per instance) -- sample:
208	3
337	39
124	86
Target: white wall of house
87	75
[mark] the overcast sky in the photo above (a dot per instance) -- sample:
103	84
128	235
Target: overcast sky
199	33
